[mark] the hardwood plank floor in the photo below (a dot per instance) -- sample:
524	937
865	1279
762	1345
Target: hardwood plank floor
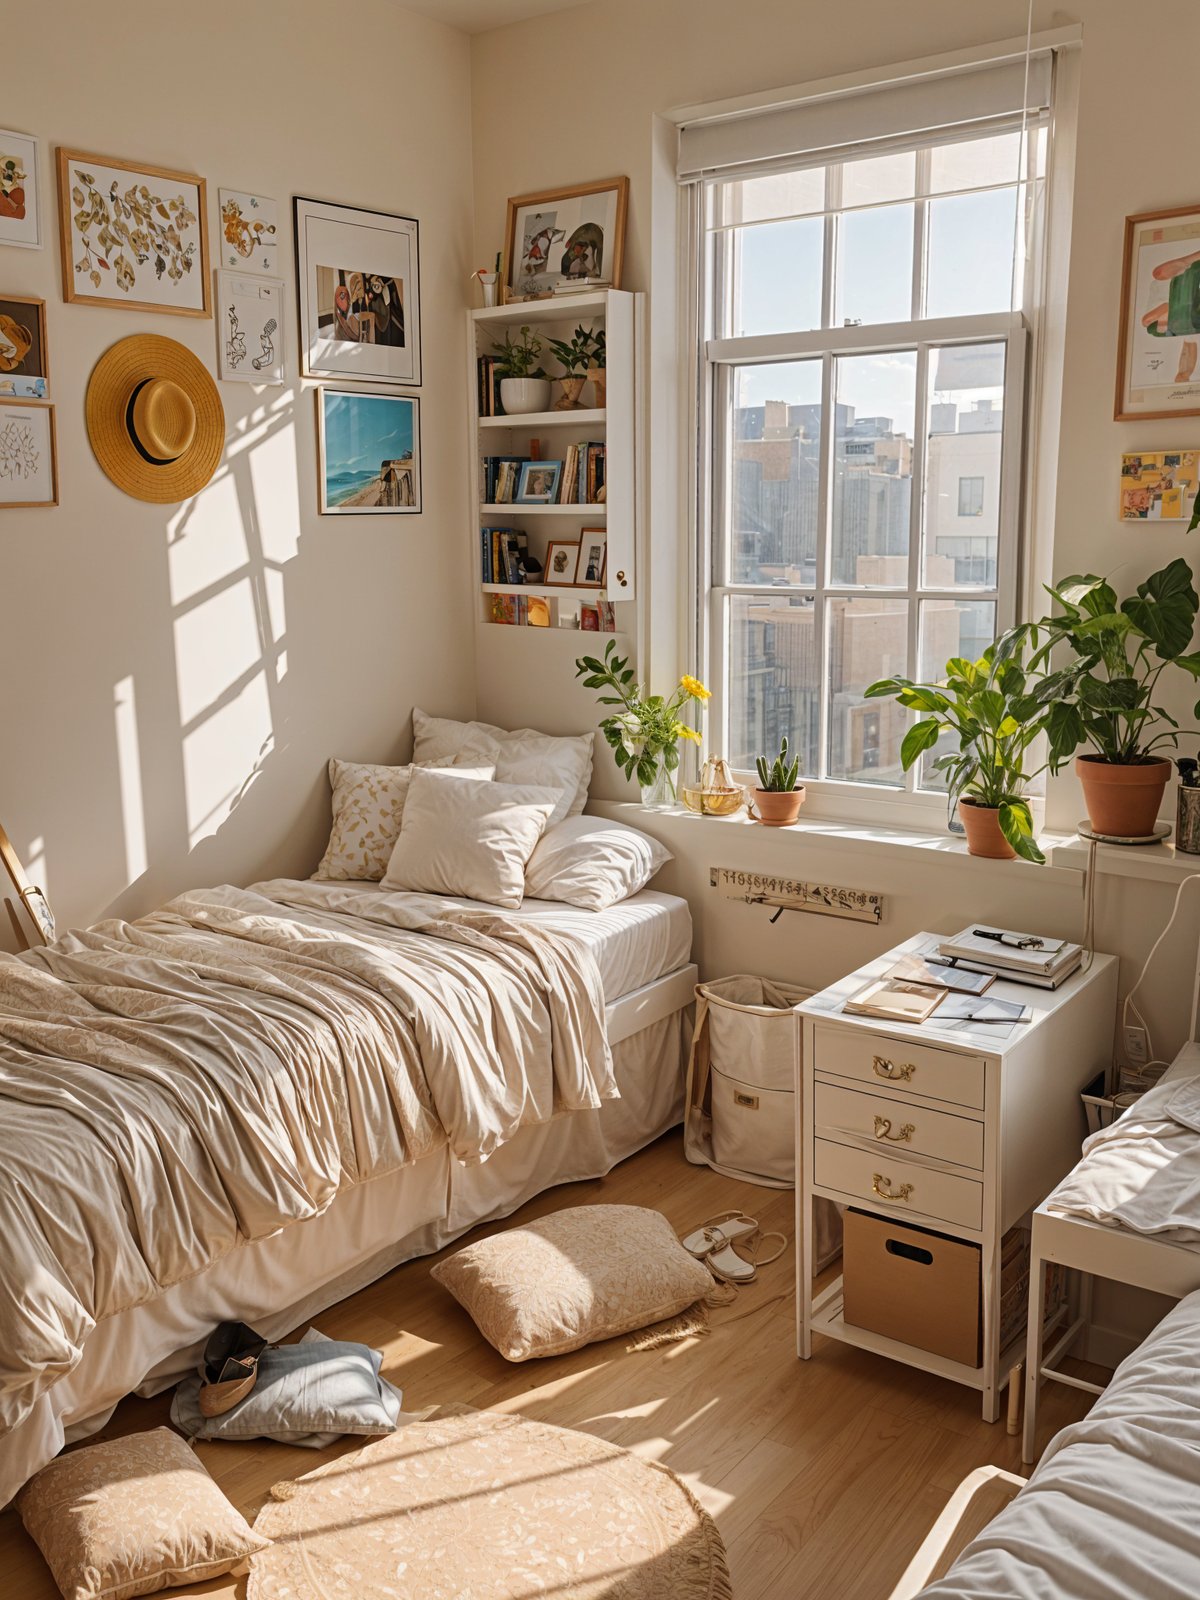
823	1476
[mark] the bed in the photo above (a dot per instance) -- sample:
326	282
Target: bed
616	985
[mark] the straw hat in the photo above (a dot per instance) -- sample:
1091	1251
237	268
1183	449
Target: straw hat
155	419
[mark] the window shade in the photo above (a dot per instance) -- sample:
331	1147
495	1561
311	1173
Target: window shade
911	110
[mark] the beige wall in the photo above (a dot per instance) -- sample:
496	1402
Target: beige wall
259	638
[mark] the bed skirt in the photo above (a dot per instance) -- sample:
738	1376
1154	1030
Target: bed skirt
276	1284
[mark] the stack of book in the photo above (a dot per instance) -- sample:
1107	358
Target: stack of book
502	551
582	285
583	474
499	476
488	396
1016	957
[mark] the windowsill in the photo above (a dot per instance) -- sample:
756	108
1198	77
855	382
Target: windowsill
1155	863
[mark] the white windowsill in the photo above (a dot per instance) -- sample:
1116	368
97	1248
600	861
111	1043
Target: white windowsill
1155	863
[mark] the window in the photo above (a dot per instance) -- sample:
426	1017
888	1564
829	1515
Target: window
863	365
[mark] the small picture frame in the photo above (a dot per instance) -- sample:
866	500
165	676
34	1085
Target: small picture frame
538	483
564	239
20	190
1159	485
250	332
562	557
1158	358
24	354
28	455
591	567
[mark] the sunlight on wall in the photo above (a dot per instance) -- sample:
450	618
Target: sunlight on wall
35	865
222	755
216	646
207	541
275	479
129	771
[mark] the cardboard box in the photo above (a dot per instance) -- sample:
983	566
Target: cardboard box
913	1285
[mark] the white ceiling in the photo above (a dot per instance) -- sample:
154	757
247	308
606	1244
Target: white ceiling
477	16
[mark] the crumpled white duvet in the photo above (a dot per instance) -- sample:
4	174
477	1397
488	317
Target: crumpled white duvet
173	1087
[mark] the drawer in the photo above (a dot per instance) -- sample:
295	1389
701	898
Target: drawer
907	1067
894	1125
878	1178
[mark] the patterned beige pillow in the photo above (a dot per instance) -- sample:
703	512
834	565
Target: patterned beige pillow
132	1516
579	1275
368	807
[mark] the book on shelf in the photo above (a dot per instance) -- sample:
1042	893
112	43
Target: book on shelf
569	286
488	395
522	611
505	608
498	477
589	617
583	474
895	999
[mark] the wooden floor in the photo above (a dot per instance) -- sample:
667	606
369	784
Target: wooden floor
823	1476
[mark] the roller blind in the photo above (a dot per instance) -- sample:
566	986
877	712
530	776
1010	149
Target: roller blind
903	111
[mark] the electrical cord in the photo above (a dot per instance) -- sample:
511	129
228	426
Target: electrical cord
1129	1005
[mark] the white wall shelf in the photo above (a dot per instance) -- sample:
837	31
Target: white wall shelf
588	417
559	308
552	591
516	509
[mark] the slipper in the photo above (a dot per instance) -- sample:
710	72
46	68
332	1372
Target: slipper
719	1232
727	1266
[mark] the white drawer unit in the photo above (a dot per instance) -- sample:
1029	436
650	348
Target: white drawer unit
962	1130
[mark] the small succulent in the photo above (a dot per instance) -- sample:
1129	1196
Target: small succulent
779	777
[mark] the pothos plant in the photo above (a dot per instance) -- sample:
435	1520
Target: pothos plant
647	727
987	709
518	358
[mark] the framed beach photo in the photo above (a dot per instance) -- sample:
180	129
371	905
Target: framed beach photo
368	453
562	557
249	328
591	568
358	287
1158	360
20	191
133	235
565	237
538	483
28	455
24	357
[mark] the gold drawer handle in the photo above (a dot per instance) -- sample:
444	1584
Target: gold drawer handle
883	1188
883	1068
883	1130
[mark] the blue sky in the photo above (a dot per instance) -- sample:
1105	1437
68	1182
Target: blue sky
364	429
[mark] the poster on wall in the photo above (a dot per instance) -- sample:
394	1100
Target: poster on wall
20	191
357	282
249	328
249	231
133	235
1159	485
1158	365
24	357
565	238
369	453
28	458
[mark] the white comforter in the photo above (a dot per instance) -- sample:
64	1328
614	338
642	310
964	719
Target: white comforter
174	1087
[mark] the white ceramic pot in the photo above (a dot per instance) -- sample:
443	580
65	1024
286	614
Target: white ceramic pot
520	396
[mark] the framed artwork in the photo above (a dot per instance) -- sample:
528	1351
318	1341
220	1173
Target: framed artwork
565	236
1159	485
359	294
249	328
368	453
20	191
24	355
1158	360
249	231
28	455
537	484
562	557
133	235
592	566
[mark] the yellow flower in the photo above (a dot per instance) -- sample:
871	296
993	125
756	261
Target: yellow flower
695	688
682	732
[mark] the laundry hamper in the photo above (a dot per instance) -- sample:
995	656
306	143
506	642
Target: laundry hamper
741	1092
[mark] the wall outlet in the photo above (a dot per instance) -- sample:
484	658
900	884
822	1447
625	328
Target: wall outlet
1137	1046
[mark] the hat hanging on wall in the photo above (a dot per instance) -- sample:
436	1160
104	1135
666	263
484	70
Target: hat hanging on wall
155	419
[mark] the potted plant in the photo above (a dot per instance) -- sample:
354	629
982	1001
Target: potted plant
598	373
524	386
644	734
1104	697
575	355
987	706
778	799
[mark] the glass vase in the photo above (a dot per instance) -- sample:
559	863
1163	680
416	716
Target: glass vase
659	793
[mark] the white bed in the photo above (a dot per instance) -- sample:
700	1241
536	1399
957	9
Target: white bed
642	951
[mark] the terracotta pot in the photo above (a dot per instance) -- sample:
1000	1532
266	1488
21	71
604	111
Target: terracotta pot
983	830
572	388
777	808
1122	801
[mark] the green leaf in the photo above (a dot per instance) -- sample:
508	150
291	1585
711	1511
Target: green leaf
1064	729
886	687
919	738
919	697
1016	824
989	708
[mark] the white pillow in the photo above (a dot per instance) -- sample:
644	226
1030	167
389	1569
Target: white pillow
591	863
524	757
368	804
466	838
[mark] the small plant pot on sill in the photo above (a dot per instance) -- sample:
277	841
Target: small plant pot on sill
777	808
982	824
1122	800
522	396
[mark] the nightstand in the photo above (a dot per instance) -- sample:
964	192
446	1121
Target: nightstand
952	1129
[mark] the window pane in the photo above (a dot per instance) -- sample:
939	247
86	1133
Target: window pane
971	253
779	194
868	639
950	628
774	682
879	178
975	163
776	472
778	277
963	457
872	469
874	275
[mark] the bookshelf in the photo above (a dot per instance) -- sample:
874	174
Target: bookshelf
611	425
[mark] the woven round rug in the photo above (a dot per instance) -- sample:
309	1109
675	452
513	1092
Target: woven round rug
481	1506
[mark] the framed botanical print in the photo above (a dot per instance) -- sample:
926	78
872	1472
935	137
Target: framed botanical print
1158	361
249	231
368	453
564	238
249	328
20	190
24	356
133	235
28	455
359	293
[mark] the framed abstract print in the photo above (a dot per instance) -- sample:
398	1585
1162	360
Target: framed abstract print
565	237
368	453
249	231
20	191
1158	361
249	328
